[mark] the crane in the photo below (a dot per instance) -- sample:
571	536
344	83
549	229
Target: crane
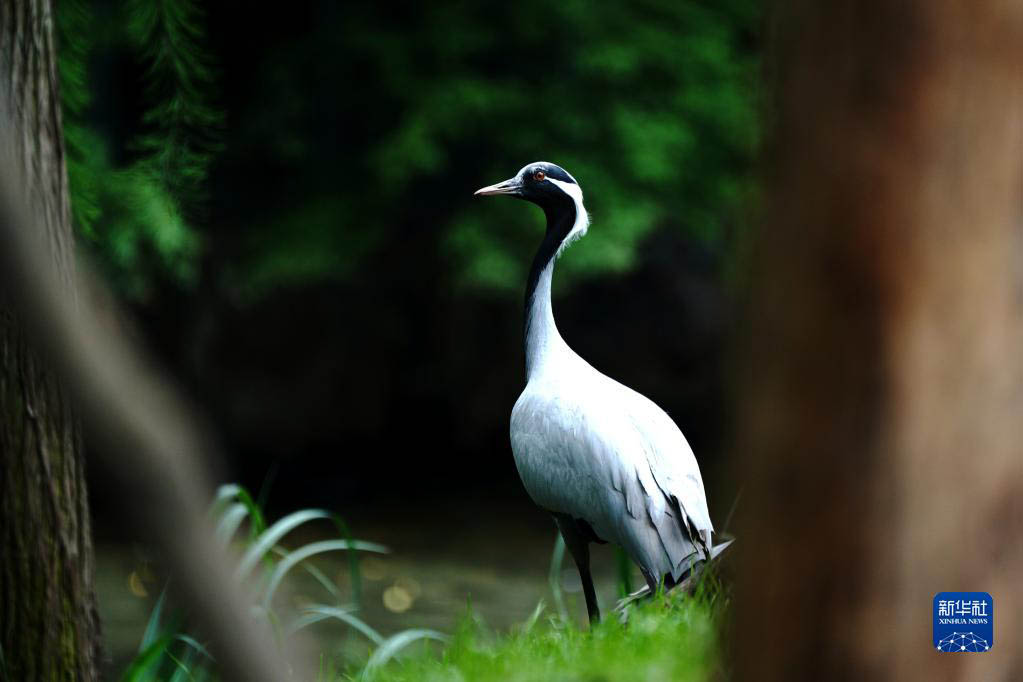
606	462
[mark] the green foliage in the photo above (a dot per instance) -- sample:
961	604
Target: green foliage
367	130
651	105
76	26
180	138
137	215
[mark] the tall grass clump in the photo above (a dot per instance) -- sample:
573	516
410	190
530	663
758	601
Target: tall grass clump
168	651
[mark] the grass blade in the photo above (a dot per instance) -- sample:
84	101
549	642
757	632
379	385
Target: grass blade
554	577
235	493
184	666
226	494
624	565
152	631
316	573
353	562
194	645
535	616
322	612
273	534
141	667
230	522
302	553
395	643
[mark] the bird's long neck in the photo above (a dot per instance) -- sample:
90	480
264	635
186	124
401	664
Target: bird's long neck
542	339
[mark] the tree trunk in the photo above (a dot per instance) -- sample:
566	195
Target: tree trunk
882	421
49	628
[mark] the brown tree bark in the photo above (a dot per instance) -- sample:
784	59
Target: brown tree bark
882	416
49	628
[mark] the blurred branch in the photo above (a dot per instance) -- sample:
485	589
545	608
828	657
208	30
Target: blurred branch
148	438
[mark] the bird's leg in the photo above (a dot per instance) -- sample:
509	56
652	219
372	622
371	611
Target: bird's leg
579	546
592	609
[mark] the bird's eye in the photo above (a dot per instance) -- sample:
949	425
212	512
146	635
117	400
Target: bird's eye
539	175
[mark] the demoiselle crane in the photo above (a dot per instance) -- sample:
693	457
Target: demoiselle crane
605	461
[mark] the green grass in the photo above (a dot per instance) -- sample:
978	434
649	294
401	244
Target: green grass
668	639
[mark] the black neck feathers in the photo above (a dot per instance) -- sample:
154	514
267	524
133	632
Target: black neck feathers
561	217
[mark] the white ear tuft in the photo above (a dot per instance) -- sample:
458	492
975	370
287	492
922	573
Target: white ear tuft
582	218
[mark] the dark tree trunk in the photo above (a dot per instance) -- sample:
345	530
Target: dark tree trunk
882	422
49	629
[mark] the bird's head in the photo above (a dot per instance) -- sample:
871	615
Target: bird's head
555	191
544	184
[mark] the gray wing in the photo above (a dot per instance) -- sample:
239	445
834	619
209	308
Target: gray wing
672	464
669	484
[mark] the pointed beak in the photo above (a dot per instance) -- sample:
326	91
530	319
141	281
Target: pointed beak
510	187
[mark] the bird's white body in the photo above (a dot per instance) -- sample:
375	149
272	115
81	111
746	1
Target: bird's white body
588	447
